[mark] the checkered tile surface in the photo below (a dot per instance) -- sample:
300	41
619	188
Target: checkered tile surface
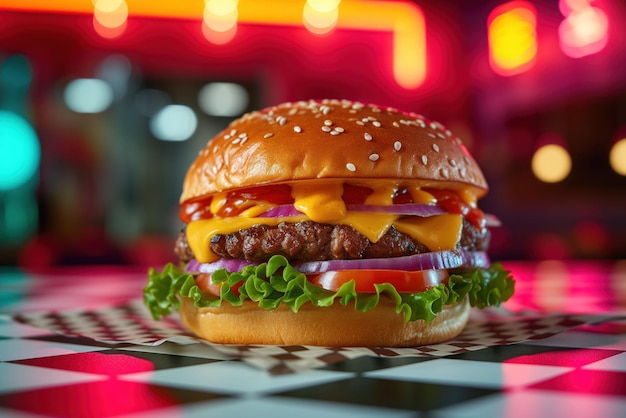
55	362
580	372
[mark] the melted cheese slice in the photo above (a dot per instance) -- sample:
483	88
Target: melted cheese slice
438	233
200	232
323	203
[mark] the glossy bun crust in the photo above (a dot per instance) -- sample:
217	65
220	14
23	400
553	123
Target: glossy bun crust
330	139
333	326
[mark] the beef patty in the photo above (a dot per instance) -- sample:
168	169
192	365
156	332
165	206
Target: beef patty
312	241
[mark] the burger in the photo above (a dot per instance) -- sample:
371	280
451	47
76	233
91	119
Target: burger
331	223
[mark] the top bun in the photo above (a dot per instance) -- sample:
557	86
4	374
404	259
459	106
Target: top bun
330	139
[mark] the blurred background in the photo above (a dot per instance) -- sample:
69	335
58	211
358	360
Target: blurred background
105	103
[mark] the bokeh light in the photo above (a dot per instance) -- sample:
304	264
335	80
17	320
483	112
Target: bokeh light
320	16
19	151
110	17
219	22
16	73
88	95
116	70
617	157
174	123
223	99
512	38
584	31
551	163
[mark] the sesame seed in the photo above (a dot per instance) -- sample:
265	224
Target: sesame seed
436	125
243	140
396	124
268	135
397	145
365	120
440	135
351	167
374	157
326	128
233	132
452	162
436	147
281	120
424	159
328	122
367	136
376	124
297	129
358	122
339	129
226	137
334	132
432	135
444	172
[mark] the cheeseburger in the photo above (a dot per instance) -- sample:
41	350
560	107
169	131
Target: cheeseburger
331	223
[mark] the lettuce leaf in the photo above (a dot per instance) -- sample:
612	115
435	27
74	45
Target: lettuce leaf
277	282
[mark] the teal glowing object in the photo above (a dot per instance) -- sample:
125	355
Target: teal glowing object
20	152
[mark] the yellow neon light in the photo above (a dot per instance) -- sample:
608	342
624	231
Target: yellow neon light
404	20
512	37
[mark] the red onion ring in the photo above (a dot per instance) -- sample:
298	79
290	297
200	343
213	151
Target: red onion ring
425	261
415	209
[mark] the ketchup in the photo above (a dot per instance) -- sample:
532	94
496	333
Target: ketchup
239	200
451	202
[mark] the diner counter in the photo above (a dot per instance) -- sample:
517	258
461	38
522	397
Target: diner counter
558	348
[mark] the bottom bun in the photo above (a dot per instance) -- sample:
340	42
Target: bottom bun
336	326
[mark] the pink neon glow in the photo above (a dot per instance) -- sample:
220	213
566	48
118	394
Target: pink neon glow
584	30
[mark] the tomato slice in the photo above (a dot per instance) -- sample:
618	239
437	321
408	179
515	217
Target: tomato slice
205	284
403	281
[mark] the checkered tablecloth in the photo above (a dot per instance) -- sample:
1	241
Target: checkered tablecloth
58	365
131	324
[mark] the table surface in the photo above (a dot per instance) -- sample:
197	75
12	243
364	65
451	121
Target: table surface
578	373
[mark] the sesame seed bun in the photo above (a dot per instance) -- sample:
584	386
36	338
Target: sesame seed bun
282	143
324	140
336	325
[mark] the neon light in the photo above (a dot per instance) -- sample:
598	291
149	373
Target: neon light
320	16
512	38
19	151
109	17
405	20
584	31
219	21
617	156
